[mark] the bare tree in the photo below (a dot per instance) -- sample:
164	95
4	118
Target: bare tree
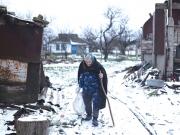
138	37
105	39
126	39
27	15
48	35
92	37
65	30
114	29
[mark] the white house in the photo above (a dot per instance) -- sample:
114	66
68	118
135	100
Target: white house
68	43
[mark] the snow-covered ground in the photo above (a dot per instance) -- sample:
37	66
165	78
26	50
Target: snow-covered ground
134	112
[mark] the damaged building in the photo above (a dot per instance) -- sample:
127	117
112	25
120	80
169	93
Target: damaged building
161	38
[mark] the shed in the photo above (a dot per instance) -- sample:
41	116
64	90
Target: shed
21	69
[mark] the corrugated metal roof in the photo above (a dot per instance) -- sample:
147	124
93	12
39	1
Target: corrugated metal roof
147	27
11	19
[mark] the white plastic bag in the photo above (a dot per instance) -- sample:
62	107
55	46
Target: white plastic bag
78	104
77	90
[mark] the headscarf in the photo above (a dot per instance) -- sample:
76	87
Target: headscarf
89	56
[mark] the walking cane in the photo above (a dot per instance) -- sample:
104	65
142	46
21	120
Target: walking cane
108	102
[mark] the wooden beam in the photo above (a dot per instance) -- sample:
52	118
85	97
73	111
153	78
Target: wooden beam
165	6
161	6
48	108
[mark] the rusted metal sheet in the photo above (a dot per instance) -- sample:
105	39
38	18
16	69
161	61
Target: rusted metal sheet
147	27
159	31
28	93
22	43
12	72
176	12
176	17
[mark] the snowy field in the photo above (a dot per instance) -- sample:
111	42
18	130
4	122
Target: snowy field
134	112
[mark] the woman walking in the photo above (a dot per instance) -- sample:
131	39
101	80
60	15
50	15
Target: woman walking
89	74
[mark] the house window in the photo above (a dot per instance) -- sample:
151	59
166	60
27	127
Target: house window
57	47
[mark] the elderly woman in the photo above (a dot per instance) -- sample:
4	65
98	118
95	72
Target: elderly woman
89	74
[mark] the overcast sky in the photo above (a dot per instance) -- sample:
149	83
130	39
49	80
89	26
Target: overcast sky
76	14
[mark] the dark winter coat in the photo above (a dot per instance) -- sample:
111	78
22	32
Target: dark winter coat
94	71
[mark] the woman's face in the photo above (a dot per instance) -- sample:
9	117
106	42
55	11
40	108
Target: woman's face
88	62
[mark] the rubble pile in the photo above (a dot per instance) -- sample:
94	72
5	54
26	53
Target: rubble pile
151	78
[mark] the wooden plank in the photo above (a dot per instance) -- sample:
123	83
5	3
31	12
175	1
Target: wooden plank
147	51
48	108
161	6
144	47
165	6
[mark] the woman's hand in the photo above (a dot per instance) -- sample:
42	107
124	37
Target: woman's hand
100	75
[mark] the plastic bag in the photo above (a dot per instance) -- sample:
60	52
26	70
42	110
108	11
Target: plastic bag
77	90
78	104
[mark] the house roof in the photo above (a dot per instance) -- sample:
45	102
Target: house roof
69	38
55	40
77	43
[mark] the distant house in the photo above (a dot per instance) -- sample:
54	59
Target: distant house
132	50
68	43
